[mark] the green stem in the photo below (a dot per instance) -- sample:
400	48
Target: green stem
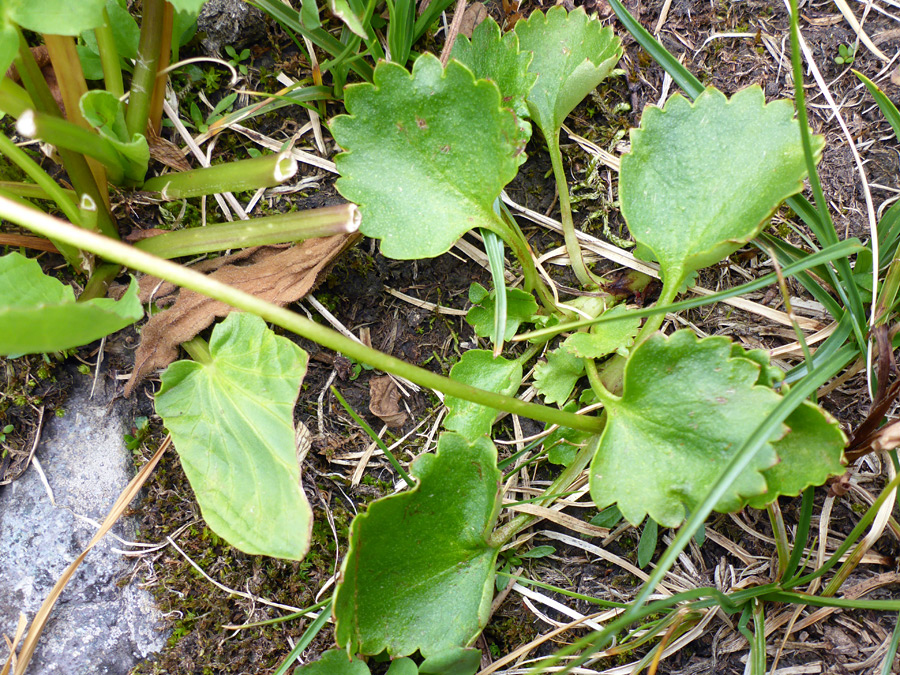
129	256
74	138
14	100
566	477
285	227
198	349
33	79
781	539
109	58
565	211
246	174
652	324
145	68
98	284
512	234
66	204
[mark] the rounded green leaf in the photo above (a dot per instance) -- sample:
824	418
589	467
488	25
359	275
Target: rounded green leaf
573	53
605	339
426	154
702	179
419	574
491	56
39	313
231	419
335	662
480	369
556	377
56	17
520	307
456	661
807	455
687	406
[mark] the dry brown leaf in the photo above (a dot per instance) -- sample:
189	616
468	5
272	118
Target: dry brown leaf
473	16
384	401
278	275
166	152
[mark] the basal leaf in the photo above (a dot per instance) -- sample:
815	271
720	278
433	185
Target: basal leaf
687	406
479	368
419	573
231	419
492	57
456	661
56	17
604	339
807	455
520	307
106	114
335	662
426	155
555	378
702	179
573	53
39	313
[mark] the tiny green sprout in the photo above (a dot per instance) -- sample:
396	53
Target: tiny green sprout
139	433
237	59
84	369
846	55
8	429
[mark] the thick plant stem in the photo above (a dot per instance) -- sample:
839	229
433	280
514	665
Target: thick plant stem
109	58
503	534
522	251
98	284
154	121
565	211
129	256
145	68
652	324
72	86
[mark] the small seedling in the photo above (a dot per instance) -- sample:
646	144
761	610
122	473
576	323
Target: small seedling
237	60
846	55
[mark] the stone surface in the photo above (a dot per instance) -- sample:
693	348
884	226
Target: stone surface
98	625
229	22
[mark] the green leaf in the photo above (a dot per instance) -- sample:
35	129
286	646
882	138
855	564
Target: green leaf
538	552
456	661
91	65
231	419
426	155
572	55
647	544
56	17
335	662
192	7
125	30
341	9
403	666
608	517
9	44
563	443
605	339
687	406
39	313
520	308
309	14
887	107
419	571
555	378
716	169
808	455
496	58
480	369
106	114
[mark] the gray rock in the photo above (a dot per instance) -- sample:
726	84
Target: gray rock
96	626
229	22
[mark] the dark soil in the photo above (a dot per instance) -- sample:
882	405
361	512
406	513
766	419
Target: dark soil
355	292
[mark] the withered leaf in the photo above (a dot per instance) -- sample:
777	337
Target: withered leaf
276	274
384	401
166	152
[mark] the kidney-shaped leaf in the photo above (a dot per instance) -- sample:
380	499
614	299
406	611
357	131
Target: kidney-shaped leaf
702	179
39	313
479	368
426	155
420	571
687	406
807	455
231	419
573	53
497	58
